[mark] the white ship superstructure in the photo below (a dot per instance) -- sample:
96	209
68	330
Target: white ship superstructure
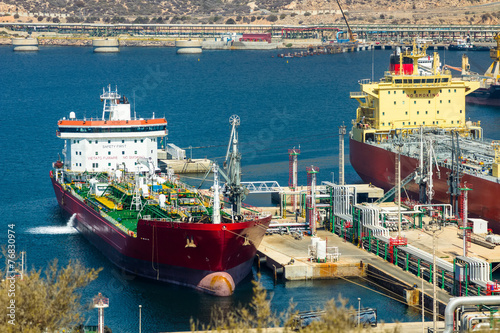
112	142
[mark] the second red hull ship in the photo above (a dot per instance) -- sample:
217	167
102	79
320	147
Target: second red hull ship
482	199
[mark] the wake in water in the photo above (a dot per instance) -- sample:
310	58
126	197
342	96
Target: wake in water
67	229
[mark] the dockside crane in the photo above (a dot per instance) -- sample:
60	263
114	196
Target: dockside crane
352	39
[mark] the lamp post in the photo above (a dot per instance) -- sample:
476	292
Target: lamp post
359	310
140	321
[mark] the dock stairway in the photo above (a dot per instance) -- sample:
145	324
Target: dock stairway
391	192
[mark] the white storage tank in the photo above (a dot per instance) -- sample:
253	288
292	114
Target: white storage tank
314	241
107	45
479	226
25	44
321	250
188	46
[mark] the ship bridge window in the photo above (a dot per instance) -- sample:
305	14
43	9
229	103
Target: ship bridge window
445	79
398	81
416	81
406	81
430	81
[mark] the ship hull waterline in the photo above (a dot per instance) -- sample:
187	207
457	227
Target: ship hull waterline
377	166
212	258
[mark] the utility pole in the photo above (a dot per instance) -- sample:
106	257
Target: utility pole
399	146
342	132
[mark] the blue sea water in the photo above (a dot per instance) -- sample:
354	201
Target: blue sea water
282	103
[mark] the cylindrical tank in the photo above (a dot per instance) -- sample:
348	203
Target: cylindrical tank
314	241
25	44
108	45
321	250
188	46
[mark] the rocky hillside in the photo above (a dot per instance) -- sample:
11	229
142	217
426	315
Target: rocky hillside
253	12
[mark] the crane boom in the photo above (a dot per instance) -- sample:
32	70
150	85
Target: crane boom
349	31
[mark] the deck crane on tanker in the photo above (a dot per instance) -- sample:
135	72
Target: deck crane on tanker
350	34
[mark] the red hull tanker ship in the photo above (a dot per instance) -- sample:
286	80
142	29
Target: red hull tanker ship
422	118
147	223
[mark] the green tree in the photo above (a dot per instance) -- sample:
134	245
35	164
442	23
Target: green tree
272	18
230	21
47	301
335	317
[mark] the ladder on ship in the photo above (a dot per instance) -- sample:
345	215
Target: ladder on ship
391	192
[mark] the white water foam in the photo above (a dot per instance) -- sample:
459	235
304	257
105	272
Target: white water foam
65	230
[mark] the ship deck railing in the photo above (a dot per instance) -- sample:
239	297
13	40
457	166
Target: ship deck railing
358	94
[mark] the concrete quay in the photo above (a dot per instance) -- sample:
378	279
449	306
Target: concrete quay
279	250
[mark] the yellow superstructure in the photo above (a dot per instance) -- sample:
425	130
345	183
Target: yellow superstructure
400	104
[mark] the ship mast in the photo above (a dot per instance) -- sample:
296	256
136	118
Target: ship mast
415	54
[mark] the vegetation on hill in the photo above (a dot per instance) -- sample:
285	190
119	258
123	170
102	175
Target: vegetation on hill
486	12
